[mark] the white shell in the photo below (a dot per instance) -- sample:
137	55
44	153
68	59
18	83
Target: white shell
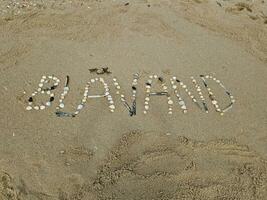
146	107
28	108
61	105
112	107
79	107
170	102
48	103
42	107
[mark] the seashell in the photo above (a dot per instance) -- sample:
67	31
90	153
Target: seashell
174	86
174	78
43	77
118	87
122	96
170	102
198	89
183	107
165	87
61	105
39	89
48	92
111	102
28	108
181	103
170	112
36	107
112	107
101	79
151	76
79	107
76	112
184	86
92	80
145	112
207	76
66	89
146	103
48	103
42	80
84	100
155	76
114	79
214	102
117	92
107	93
42	107
146	107
116	83
218	81
147	99
112	110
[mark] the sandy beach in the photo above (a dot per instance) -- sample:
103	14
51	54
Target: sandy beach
103	155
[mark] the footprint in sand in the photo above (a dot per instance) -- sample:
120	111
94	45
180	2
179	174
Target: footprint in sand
154	166
7	189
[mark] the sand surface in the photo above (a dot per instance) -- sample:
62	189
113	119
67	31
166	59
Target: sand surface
103	155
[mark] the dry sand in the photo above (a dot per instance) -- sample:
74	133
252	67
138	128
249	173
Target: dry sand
99	155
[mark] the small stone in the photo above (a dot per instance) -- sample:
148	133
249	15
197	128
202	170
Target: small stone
48	103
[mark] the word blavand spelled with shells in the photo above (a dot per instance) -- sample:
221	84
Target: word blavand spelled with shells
48	84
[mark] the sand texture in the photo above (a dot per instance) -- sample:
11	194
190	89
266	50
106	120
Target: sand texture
103	155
